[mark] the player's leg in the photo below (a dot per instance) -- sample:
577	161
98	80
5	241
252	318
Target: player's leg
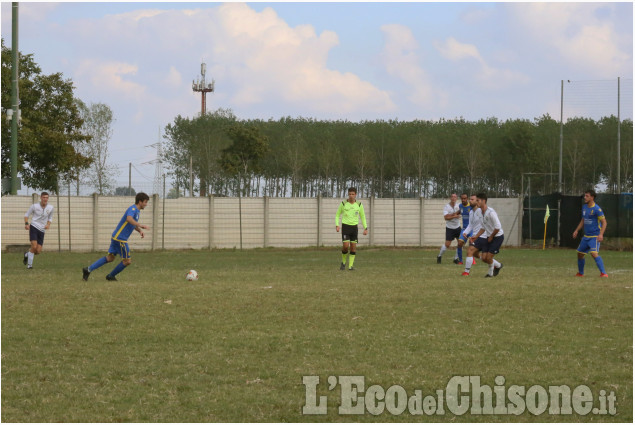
108	258
124	252
494	249
583	249
353	251
471	251
345	247
595	253
446	245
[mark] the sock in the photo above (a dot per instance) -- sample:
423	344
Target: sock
581	265
30	257
344	258
600	264
97	264
496	264
459	253
468	264
443	248
491	270
351	260
118	268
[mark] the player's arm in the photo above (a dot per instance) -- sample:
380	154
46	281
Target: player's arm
451	215
602	229
363	217
138	226
26	217
497	227
577	229
337	217
49	221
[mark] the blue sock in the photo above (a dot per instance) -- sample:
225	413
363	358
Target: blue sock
581	265
600	264
118	268
97	264
459	252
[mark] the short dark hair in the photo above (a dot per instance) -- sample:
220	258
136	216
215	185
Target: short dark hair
482	196
352	189
591	192
44	194
463	194
141	197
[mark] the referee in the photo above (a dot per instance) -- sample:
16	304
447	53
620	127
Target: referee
351	211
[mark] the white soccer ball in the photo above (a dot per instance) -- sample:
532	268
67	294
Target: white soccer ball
191	275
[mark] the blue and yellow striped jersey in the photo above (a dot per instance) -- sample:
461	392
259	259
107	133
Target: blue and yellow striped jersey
465	214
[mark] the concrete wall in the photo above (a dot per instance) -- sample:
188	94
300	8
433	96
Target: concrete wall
86	223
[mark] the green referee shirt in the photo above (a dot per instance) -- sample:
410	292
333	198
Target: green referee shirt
350	214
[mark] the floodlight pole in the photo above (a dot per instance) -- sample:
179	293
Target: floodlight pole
619	164
15	96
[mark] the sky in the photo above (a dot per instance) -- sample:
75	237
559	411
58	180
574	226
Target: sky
330	61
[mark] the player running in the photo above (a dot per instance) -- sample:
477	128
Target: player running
41	217
594	224
351	211
119	241
473	226
465	207
452	217
489	238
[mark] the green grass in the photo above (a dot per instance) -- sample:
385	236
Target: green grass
235	345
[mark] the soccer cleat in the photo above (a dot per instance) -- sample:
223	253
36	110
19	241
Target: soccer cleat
497	270
579	275
26	258
488	275
86	273
31	267
351	269
460	263
439	259
342	266
111	278
465	274
604	275
456	261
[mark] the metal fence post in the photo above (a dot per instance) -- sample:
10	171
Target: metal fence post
372	221
265	241
319	220
95	221
155	220
211	223
421	215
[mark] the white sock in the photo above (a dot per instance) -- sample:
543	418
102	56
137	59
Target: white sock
496	264
443	248
30	261
491	270
468	264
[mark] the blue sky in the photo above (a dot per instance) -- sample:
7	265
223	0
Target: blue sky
350	61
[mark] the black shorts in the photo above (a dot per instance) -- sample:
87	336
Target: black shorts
349	233
36	234
481	244
451	234
495	245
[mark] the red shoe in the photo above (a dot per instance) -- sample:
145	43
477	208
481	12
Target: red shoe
579	275
604	275
465	274
460	262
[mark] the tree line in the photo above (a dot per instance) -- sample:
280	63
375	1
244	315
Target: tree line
301	157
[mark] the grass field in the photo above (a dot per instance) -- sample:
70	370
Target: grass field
235	345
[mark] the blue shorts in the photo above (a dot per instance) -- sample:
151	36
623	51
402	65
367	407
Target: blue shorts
463	238
119	248
36	234
588	245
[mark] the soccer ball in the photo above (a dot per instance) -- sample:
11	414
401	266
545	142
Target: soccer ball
191	275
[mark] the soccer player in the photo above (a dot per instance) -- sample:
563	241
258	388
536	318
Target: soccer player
119	242
351	211
452	216
465	207
489	238
594	224
473	227
41	217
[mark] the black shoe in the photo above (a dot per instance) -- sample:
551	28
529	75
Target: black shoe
29	267
26	258
343	266
456	261
497	270
439	259
351	269
86	273
488	275
111	278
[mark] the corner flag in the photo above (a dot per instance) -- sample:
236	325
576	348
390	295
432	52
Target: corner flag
544	239
547	214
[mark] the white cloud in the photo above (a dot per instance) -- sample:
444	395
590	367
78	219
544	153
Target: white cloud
173	79
401	60
110	78
487	75
579	33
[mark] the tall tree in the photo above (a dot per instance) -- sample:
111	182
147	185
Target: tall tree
51	125
98	119
243	156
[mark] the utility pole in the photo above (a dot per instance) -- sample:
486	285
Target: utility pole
619	164
15	99
202	87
